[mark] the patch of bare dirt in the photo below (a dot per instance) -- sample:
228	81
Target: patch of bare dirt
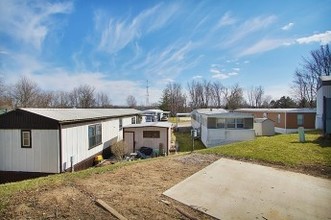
135	191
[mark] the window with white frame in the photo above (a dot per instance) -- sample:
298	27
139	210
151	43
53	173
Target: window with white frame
300	119
26	139
240	122
94	135
278	118
133	120
230	123
220	123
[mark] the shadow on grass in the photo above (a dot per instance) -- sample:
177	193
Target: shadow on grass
321	141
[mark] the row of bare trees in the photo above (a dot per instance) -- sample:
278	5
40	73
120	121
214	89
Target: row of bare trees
205	94
26	93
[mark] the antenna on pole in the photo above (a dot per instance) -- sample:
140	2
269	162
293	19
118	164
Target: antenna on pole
147	94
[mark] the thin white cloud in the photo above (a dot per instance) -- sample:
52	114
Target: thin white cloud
287	27
236	69
218	74
170	61
197	77
246	61
248	27
264	45
226	20
116	34
232	73
30	22
322	38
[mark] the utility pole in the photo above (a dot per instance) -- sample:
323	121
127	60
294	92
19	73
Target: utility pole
147	94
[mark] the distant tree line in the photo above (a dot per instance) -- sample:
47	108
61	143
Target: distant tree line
26	93
207	94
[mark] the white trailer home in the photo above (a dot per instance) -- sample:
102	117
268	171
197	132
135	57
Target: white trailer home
52	140
323	105
218	126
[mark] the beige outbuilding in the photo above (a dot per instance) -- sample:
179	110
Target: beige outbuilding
264	127
156	135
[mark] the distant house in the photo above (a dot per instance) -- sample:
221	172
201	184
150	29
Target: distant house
150	134
218	126
323	105
287	120
153	115
264	127
53	140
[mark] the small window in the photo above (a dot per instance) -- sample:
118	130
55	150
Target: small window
120	124
133	120
278	118
248	123
300	119
94	135
211	122
265	115
220	123
240	123
230	123
151	134
26	139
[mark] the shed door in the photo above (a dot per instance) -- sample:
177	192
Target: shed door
129	141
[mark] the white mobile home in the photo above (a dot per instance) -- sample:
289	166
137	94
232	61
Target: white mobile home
218	126
52	140
323	105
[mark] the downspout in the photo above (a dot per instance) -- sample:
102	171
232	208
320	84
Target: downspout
168	141
60	146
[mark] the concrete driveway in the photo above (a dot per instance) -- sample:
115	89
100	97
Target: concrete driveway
229	189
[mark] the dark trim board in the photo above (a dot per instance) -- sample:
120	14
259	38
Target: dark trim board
20	119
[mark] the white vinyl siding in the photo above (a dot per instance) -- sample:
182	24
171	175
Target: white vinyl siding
75	140
42	157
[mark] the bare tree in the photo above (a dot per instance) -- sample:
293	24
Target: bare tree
45	99
103	100
5	100
82	97
234	97
173	99
25	93
131	101
255	96
306	79
217	93
62	99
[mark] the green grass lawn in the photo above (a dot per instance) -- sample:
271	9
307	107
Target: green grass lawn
185	142
282	149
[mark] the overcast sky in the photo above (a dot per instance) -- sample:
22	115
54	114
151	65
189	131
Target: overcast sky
116	46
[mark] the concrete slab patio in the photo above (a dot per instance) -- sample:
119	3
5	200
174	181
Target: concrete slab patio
229	189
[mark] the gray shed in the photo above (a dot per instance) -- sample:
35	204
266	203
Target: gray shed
264	127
